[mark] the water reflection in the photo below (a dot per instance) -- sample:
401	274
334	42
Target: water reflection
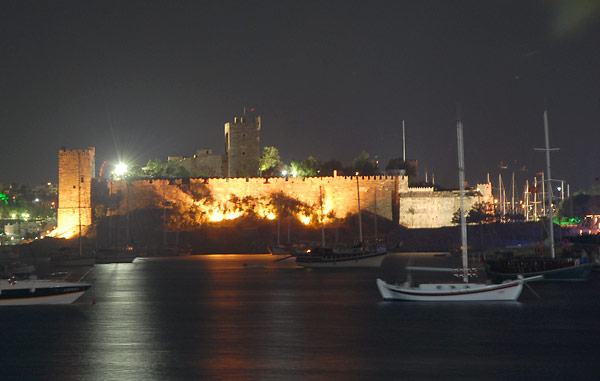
210	317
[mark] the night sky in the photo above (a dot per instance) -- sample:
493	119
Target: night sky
146	79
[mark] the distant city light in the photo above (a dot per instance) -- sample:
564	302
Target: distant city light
558	189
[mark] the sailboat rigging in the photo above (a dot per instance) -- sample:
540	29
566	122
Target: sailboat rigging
357	256
553	269
465	291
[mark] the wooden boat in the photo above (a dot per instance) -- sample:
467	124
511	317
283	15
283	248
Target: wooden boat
327	257
455	291
115	255
355	256
552	268
278	250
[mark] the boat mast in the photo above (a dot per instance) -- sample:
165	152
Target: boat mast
512	203
550	212
360	239
403	143
322	223
79	199
278	218
375	206
461	181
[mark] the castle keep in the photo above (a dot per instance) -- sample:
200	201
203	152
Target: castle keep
76	169
242	152
242	147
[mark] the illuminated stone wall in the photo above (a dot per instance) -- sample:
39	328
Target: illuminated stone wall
214	199
425	208
76	168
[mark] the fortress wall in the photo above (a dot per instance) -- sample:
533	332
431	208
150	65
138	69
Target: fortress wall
339	192
418	207
426	208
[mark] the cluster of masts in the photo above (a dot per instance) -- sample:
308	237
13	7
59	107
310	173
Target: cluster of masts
534	202
538	200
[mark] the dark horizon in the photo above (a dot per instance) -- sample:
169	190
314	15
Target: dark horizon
140	80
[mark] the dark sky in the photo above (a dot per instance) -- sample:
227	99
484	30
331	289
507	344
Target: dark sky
148	79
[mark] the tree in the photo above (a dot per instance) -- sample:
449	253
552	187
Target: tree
269	160
480	212
156	169
329	166
135	172
312	166
364	165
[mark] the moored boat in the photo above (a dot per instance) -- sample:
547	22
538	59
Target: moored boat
455	291
115	255
553	269
327	257
278	250
15	292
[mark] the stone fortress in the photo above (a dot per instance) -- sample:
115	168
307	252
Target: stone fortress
242	151
229	187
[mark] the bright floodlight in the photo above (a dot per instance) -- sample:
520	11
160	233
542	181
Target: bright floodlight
120	169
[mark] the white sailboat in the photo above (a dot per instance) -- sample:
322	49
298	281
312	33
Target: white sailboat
456	291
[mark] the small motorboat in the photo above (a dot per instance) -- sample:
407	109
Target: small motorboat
17	292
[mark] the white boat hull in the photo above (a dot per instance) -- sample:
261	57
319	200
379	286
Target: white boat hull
33	292
452	292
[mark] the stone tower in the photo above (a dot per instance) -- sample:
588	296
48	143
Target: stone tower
76	168
242	147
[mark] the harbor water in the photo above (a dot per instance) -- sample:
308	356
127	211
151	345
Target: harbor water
211	317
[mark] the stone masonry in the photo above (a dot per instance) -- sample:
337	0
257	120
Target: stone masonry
76	168
242	147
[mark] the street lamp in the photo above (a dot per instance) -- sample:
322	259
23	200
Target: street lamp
120	169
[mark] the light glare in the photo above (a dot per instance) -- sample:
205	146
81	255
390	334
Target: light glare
120	169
